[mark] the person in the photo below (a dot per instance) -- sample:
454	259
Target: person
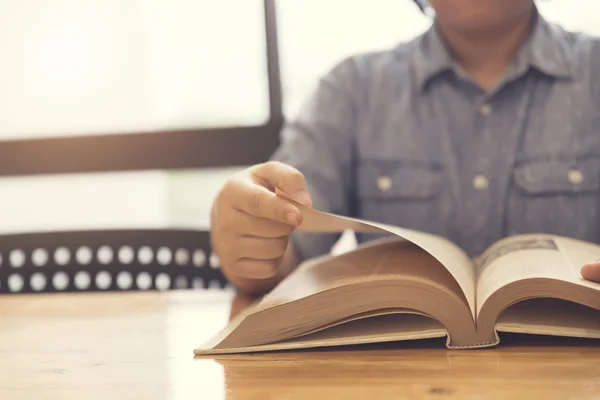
484	126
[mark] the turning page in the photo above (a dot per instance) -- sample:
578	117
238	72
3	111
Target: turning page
447	253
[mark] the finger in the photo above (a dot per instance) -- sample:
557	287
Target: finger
257	269
244	224
591	272
258	201
276	175
261	248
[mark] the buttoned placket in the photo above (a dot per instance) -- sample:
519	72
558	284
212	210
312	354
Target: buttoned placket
478	181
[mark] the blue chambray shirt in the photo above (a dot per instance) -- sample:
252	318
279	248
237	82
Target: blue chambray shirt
404	137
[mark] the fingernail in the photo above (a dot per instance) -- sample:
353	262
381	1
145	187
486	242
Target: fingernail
302	197
292	218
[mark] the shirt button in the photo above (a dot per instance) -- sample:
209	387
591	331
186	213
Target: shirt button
486	109
384	183
480	182
575	176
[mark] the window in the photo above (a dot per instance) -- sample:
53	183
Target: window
134	84
87	66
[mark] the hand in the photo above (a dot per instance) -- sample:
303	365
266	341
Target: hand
250	224
591	272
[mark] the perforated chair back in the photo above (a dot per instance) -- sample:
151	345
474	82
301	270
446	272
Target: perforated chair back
108	260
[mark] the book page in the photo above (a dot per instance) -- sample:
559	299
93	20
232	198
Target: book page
533	256
374	261
447	253
576	254
550	317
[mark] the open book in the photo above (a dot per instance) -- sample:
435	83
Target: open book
413	285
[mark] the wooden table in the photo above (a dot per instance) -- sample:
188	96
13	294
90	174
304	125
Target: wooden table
139	346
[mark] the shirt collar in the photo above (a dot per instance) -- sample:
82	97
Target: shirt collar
431	57
546	50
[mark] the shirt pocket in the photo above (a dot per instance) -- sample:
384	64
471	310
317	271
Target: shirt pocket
555	196
401	194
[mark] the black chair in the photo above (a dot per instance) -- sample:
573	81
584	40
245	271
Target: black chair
108	260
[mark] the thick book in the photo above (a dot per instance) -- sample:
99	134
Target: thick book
413	285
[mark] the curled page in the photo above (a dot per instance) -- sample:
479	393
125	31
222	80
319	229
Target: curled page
456	261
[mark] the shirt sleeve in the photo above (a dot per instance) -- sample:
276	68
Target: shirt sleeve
319	142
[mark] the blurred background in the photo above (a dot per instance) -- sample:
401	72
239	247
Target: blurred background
132	113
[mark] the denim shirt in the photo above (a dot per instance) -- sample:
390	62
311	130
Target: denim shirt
404	137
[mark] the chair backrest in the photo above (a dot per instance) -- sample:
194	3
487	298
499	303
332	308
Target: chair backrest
108	260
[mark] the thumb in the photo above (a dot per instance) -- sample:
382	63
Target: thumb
283	180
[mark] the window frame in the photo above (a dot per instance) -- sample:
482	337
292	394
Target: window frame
168	149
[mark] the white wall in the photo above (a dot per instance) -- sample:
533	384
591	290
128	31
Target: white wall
83	66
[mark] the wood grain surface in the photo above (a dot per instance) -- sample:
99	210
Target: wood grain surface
139	346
